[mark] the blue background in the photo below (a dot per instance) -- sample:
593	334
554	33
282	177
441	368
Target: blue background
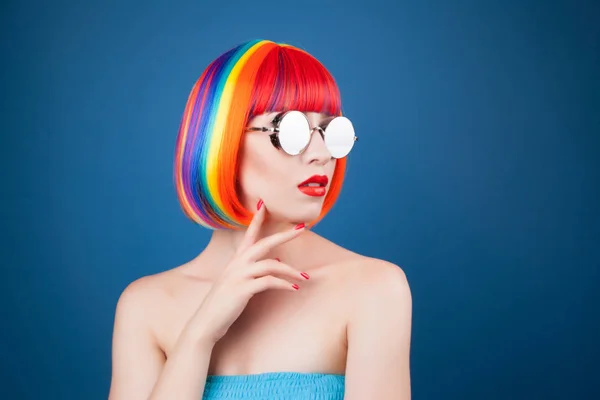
477	171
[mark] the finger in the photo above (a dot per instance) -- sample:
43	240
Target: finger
270	282
254	227
259	249
274	267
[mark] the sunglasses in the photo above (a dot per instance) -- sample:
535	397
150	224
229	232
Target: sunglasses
292	134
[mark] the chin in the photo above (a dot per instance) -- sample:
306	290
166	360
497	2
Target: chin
298	213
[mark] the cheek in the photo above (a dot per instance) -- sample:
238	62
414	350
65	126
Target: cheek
260	172
253	168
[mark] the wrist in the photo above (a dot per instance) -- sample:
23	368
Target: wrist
198	338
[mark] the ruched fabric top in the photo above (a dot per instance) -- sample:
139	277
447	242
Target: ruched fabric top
275	386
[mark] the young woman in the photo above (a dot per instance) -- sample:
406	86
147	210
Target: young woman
269	309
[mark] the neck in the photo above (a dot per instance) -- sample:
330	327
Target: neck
224	244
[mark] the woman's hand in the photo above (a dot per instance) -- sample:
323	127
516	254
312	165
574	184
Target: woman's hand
244	277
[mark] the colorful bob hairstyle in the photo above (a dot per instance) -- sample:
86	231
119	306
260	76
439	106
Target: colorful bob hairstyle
251	79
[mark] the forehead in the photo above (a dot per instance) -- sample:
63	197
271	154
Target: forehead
266	119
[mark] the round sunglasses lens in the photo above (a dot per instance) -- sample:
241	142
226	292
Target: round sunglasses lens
294	132
339	137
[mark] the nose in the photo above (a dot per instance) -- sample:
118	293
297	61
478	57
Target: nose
316	151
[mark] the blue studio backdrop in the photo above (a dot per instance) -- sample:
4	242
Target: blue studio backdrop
476	171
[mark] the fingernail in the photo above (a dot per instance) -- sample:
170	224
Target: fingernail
305	275
295	286
299	226
259	204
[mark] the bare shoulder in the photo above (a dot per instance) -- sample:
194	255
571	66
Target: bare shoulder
362	275
372	277
135	344
141	298
379	301
141	290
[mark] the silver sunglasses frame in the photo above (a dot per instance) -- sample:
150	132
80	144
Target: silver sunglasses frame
275	129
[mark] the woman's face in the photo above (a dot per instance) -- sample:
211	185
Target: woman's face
277	178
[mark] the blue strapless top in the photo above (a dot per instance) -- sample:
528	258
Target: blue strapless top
275	386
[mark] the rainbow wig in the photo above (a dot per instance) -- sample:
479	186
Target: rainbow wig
253	78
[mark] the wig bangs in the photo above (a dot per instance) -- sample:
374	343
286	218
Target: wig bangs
291	79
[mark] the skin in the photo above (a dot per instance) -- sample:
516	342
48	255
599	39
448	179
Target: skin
352	317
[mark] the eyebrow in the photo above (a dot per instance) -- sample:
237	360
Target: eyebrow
326	120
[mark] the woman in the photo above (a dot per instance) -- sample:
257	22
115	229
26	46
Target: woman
269	309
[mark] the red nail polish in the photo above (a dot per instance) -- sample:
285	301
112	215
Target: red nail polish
305	275
259	204
295	286
299	226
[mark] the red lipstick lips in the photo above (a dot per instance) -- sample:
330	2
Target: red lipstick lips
314	186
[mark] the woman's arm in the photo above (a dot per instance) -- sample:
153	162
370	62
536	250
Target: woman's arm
184	374
139	370
139	367
379	334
